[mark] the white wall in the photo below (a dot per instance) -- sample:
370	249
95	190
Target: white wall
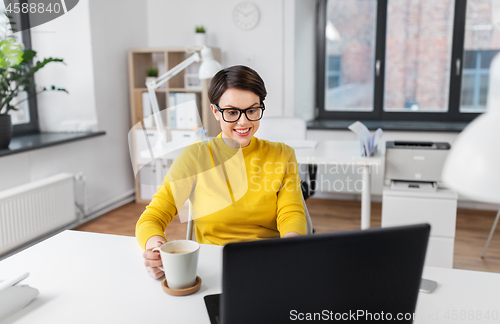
94	40
289	58
66	37
305	58
172	23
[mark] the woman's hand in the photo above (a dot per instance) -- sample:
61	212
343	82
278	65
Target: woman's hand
153	259
291	234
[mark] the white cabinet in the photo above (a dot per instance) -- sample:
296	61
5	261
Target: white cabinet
439	209
147	181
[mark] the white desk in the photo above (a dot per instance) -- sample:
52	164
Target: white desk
97	278
344	153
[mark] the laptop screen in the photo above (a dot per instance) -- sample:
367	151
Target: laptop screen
368	275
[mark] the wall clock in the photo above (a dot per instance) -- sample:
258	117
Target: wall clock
246	15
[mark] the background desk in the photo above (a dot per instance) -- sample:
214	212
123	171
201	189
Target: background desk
344	153
98	278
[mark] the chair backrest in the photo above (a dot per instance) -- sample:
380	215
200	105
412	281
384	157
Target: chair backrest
190	224
279	129
309	225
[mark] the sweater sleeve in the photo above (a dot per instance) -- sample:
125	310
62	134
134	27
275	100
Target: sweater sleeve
170	197
290	207
158	214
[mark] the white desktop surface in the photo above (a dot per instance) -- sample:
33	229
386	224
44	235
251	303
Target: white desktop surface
336	152
346	153
98	278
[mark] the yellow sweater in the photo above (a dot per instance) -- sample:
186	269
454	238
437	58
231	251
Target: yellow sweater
235	194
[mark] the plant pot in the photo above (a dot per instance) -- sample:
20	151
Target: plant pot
5	131
150	78
200	39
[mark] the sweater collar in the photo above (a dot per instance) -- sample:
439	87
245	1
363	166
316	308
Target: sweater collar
249	147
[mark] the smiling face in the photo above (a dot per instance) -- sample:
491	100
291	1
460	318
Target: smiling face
242	130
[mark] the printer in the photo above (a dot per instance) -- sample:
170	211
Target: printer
413	165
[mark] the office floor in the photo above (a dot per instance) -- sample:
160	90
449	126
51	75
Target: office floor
473	228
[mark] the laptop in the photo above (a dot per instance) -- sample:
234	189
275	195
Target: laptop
358	276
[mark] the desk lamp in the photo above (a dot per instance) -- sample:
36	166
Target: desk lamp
208	68
472	167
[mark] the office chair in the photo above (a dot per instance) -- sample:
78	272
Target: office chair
273	128
190	223
495	223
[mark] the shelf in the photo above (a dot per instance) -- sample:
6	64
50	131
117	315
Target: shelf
184	90
170	90
139	60
169	128
146	89
160	49
24	143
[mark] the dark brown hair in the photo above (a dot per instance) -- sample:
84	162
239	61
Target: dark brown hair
236	77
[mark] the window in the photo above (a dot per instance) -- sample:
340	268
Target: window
350	39
334	72
405	60
25	119
418	55
475	80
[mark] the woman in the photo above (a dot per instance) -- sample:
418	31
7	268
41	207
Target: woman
241	187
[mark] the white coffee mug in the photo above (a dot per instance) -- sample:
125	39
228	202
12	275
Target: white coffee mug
180	261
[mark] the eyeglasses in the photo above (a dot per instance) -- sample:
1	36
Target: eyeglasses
232	115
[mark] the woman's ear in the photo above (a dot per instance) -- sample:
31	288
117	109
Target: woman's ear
214	111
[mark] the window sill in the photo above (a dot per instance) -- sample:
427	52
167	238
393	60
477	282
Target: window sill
406	126
24	143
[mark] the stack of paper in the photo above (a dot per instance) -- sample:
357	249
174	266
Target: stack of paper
183	111
368	141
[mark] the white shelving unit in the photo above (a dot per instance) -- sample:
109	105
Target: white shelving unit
140	59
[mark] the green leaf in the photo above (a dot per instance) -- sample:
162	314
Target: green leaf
11	53
17	70
54	88
28	55
41	64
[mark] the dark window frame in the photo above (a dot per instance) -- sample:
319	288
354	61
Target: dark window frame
337	73
32	126
476	72
452	115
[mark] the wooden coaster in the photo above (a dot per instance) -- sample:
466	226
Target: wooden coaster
181	292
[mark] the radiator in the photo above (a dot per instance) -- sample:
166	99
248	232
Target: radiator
35	209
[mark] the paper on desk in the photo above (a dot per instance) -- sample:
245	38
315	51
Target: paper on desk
13	296
299	144
12	280
368	142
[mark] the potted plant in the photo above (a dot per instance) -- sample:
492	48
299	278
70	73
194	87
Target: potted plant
16	75
200	38
151	74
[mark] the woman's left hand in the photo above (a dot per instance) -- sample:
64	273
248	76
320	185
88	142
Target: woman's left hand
291	234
